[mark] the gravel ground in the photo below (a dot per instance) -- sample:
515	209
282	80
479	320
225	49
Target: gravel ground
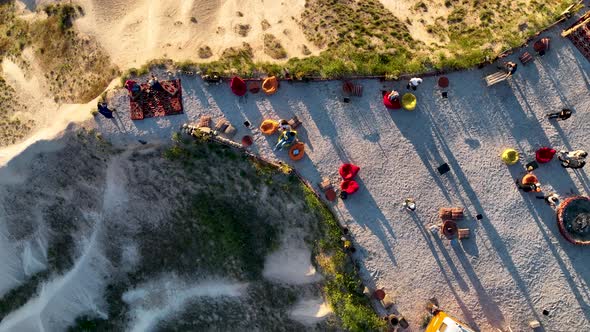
515	264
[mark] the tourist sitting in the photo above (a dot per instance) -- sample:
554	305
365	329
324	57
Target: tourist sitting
287	138
154	84
573	159
528	187
510	68
393	96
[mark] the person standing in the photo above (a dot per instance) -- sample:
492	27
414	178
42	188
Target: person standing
414	82
509	67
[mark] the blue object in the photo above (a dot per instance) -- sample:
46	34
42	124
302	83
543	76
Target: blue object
104	110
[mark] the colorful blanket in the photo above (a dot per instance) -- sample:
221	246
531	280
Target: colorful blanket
146	103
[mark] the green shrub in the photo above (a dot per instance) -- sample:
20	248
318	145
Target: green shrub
342	286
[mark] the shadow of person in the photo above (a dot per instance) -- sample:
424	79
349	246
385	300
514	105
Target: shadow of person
365	211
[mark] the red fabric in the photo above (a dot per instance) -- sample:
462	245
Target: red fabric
348	171
545	154
349	186
146	104
392	106
129	84
238	86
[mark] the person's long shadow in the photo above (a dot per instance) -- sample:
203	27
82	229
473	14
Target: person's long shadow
362	201
577	257
488	227
491	310
457	276
423	141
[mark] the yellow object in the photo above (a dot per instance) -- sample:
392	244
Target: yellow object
510	156
441	322
409	102
270	85
269	127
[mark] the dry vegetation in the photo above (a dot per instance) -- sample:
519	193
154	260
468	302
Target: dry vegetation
265	25
12	128
366	25
75	66
273	47
205	52
242	29
364	37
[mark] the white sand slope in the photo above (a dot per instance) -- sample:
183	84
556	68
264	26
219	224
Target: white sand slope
157	300
291	264
134	32
516	263
50	118
310	311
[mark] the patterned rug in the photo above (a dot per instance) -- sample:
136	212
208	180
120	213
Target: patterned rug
160	102
581	38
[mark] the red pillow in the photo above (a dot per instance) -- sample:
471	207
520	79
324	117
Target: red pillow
348	171
545	154
349	186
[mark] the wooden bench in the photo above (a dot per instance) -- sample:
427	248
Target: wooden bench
496	77
525	58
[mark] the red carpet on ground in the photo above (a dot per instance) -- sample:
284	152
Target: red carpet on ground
167	101
581	38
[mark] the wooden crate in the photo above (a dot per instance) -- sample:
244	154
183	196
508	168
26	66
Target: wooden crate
463	233
457	213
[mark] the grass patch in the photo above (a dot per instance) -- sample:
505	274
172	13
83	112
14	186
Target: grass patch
368	25
342	287
14	32
372	41
273	47
12	128
18	296
239	236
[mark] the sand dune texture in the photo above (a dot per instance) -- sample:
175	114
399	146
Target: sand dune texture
134	32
